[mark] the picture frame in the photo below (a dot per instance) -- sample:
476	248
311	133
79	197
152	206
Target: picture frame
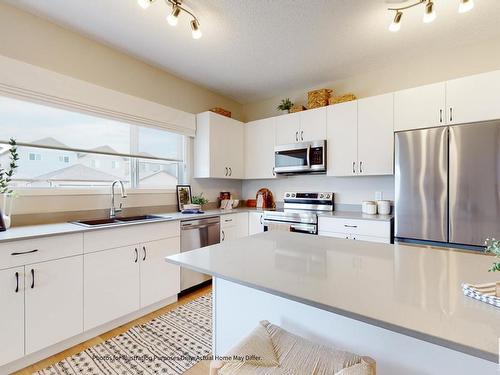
184	196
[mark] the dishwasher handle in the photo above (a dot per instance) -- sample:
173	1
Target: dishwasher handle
197	226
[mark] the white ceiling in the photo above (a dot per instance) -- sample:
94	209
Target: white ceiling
255	49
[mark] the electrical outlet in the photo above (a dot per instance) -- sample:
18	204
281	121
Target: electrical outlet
379	195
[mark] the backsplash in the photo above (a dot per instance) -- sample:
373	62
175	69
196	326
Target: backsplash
348	190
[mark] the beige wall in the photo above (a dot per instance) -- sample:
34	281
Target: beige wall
447	64
39	42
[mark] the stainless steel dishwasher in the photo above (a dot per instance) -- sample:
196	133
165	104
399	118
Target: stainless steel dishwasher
195	234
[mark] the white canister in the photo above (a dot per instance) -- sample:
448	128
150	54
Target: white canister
369	207
384	207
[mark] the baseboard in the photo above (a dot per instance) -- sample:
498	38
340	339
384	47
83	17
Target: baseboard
84	336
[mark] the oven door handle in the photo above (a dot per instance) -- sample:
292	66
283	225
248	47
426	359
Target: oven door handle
303	228
308	156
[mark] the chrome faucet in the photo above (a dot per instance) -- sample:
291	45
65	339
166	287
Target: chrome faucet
113	211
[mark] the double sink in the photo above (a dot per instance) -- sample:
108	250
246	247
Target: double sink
119	220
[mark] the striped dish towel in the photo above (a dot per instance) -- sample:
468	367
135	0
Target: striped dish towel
482	292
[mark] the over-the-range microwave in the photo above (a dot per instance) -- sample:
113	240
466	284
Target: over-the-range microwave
303	157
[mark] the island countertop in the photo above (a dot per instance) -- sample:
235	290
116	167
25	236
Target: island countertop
409	289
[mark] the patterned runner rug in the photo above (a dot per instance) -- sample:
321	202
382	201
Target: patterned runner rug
168	345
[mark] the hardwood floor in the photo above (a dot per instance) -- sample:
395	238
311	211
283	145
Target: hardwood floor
201	368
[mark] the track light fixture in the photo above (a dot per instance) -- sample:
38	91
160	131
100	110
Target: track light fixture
429	14
144	4
465	6
396	24
173	17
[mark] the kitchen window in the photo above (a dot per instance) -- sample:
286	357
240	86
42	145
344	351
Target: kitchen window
75	150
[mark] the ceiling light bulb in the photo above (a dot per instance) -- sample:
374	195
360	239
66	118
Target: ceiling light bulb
196	32
430	13
144	4
396	24
465	6
173	17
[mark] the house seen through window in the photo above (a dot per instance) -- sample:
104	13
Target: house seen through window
80	150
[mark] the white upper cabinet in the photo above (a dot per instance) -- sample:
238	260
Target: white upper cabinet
473	98
259	149
361	137
313	124
288	128
420	107
376	135
342	139
12	322
218	147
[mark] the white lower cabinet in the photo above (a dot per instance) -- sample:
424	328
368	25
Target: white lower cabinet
12	313
159	279
255	223
53	302
355	229
229	227
111	285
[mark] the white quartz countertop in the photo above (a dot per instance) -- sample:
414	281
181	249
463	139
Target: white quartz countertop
355	215
44	230
413	290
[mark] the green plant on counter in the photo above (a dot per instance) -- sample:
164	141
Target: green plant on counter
199	199
493	247
7	174
285	105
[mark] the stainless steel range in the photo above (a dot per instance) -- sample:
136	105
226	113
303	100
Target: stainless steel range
299	213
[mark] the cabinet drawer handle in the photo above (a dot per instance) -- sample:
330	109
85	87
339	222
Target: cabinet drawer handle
302	135
360	167
441	116
350	226
17	282
223	236
227	171
136	255
228	220
145	253
230	171
353	167
32	278
296	136
274	173
25	252
451	114
261	223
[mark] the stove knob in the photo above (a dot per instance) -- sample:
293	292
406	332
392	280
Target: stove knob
327	196
321	196
287	195
293	195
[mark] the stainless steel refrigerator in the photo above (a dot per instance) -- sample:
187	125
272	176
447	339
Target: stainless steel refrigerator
448	184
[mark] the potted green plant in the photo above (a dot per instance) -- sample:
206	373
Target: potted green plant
493	247
6	175
199	199
285	105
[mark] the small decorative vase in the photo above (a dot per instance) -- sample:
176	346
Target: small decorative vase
7	203
285	111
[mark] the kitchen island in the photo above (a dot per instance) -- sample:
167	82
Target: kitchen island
400	304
